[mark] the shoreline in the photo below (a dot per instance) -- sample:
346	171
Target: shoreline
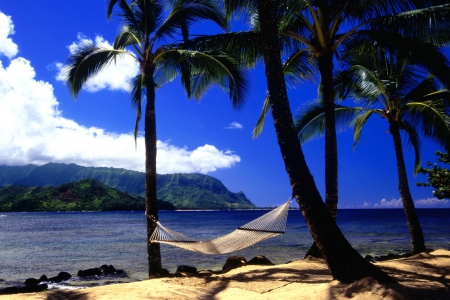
425	275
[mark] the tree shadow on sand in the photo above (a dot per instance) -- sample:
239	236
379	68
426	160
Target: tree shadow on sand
67	295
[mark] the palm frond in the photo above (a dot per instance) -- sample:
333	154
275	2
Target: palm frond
137	86
430	119
87	61
298	68
186	12
244	45
359	123
260	123
412	139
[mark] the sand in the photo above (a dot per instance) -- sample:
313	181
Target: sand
423	276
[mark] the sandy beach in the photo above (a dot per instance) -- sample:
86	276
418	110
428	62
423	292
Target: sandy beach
423	276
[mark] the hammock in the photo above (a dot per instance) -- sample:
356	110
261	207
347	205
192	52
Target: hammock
269	225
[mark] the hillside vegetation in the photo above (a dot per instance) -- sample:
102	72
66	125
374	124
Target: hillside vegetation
184	191
83	195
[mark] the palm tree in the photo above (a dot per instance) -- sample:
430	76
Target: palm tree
328	29
345	264
321	31
147	25
407	97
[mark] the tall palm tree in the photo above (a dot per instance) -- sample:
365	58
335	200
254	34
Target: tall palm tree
147	24
345	264
407	97
329	29
321	31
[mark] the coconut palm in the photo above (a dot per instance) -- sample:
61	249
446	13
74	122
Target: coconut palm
147	25
345	264
329	29
407	97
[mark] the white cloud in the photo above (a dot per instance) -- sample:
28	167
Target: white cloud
432	202
421	203
116	76
234	125
34	131
394	203
7	46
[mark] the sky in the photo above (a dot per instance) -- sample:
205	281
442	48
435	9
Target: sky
41	122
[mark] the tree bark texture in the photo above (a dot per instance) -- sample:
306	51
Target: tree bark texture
414	227
151	211
325	63
344	263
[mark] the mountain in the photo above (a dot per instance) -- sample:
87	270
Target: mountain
83	195
184	191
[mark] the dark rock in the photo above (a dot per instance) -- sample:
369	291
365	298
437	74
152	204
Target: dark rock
64	276
33	288
32	281
108	270
122	273
9	290
234	262
43	278
89	272
369	257
187	269
260	260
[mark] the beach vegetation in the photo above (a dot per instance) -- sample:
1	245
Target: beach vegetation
315	34
390	85
438	176
147	26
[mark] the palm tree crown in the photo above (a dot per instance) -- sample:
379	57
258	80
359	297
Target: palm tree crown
148	24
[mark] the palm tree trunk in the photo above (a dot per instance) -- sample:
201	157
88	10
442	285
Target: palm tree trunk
344	263
325	63
415	230
151	211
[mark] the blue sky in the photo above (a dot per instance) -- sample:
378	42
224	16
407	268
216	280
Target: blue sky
40	122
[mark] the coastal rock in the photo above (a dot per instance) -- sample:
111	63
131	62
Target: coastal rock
90	272
234	262
32	281
31	288
62	276
103	271
187	269
260	260
108	270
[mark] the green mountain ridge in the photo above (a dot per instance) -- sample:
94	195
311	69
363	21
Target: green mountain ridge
82	195
184	191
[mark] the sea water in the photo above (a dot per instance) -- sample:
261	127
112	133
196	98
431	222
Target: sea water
33	244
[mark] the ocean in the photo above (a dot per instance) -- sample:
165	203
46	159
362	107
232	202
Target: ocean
33	244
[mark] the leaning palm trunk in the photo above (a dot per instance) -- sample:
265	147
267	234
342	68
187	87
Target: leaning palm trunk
344	263
415	230
325	64
151	211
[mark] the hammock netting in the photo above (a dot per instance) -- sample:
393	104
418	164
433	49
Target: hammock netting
269	225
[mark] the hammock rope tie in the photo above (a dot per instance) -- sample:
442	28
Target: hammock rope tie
268	225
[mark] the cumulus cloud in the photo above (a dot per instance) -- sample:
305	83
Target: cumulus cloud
34	131
421	203
7	46
394	203
116	76
234	125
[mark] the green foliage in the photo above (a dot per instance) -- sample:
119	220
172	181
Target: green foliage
438	177
83	195
184	191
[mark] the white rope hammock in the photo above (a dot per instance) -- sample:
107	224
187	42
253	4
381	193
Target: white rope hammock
269	225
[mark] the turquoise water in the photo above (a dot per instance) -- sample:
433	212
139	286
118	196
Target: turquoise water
33	244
